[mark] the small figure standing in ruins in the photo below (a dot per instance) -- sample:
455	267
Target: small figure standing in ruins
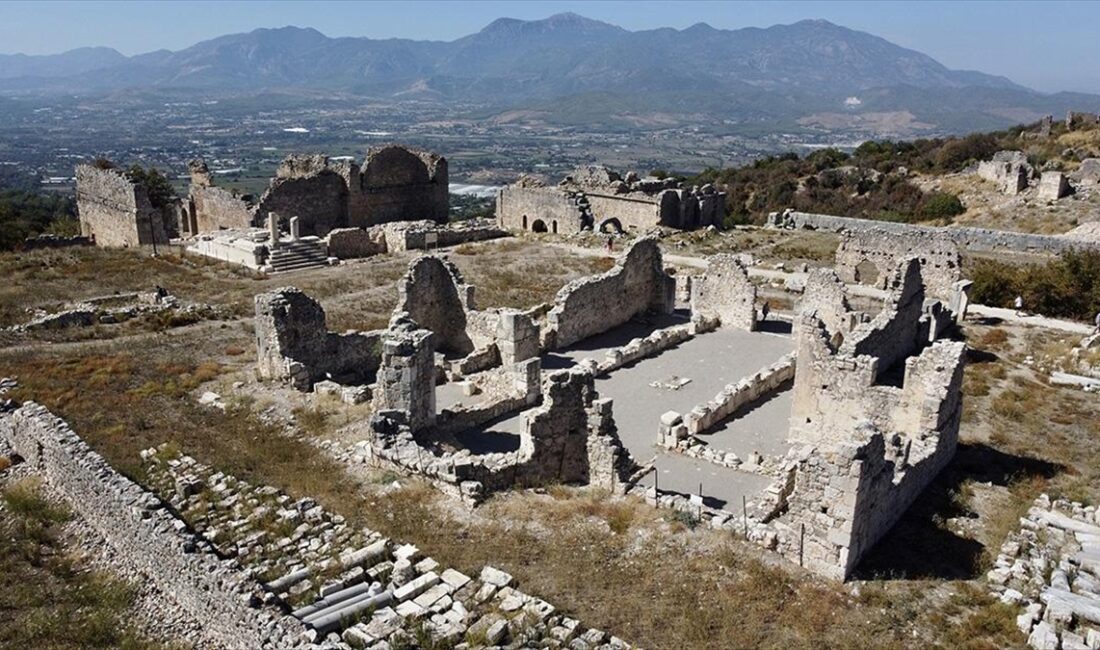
1019	305
765	309
610	244
1096	323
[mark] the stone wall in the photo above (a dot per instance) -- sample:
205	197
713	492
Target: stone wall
294	344
967	238
148	538
637	284
211	208
850	489
596	197
353	243
406	377
886	252
402	184
826	296
116	211
518	207
434	295
571	437
725	292
395	184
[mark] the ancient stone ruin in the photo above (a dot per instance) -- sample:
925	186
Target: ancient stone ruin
873	257
596	198
1009	170
116	212
396	183
1053	185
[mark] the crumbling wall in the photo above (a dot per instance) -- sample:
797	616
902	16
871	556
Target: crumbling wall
941	264
148	538
434	295
571	437
353	243
982	239
306	187
402	184
638	283
1008	170
211	208
519	206
293	343
826	296
115	210
406	378
850	489
725	292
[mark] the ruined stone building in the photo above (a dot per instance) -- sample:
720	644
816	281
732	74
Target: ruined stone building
1009	170
874	256
116	211
395	183
596	198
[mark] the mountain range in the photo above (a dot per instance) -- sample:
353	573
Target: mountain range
570	68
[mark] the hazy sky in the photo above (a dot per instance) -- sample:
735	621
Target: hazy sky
1045	45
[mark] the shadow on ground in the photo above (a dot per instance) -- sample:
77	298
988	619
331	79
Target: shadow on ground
920	546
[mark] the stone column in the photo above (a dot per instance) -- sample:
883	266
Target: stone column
406	378
273	230
295	229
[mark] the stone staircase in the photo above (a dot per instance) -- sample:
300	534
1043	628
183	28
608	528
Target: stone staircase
295	255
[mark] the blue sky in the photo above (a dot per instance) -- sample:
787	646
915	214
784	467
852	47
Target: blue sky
1045	45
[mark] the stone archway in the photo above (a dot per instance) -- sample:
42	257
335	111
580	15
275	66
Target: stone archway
867	273
538	225
611	225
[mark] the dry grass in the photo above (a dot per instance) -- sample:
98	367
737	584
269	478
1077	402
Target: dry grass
48	600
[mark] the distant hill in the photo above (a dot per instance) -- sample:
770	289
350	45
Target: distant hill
569	68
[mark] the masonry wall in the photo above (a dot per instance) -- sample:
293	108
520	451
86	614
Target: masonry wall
941	264
293	343
401	184
518	208
147	537
215	208
725	292
634	211
638	283
434	295
116	211
968	238
319	200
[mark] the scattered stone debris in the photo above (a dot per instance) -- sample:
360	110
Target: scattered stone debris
1050	569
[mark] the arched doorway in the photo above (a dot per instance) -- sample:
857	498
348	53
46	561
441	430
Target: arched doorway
867	273
525	222
538	226
611	225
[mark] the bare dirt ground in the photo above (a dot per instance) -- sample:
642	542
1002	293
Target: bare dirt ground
649	576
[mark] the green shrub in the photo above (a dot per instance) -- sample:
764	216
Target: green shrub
1066	287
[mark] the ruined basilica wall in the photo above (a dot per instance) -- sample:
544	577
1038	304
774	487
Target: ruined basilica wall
434	295
848	493
148	538
634	211
402	184
725	292
215	208
518	207
941	264
293	343
967	238
114	210
826	296
320	201
638	283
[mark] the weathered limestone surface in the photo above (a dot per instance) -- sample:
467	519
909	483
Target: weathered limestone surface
596	197
826	296
967	238
1053	186
148	538
116	211
725	292
637	284
211	208
941	264
293	343
1008	169
406	377
434	295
